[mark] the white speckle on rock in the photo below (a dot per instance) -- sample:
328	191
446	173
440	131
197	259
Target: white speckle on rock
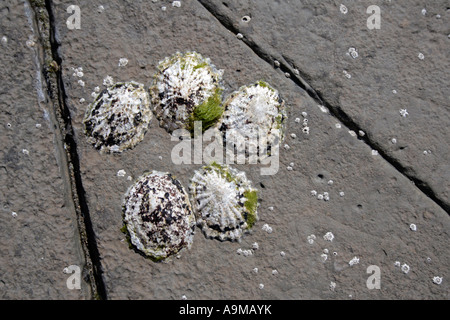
267	228
343	9
276	63
255	246
108	81
255	270
374	152
329	236
240	36
261	286
394	140
332	285
354	261
14	214
403	112
421	56
338	125
25	152
341	193
424	11
176	4
437	280
274	272
123	62
121	173
4	40
282	253
405	268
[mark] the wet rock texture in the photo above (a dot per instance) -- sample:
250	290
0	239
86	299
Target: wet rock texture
373	171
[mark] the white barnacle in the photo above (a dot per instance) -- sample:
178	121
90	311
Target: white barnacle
246	18
342	193
255	270
305	130
274	272
293	135
118	118
224	202
323	257
405	268
4	40
403	112
121	173
287	147
14	214
240	36
255	246
437	280
261	286
311	239
355	260
25	152
282	253
176	4
276	63
158	216
424	11
421	56
320	196
313	193
397	264
187	88
81	82
338	125
255	114
329	236
343	9
108	81
123	62
374	152
413	227
297	120
332	285
267	228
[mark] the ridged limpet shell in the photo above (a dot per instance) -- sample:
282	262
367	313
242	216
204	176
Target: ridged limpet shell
158	217
224	202
257	114
119	117
187	88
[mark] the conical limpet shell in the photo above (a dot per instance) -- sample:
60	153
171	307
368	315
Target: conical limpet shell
187	88
255	114
158	217
224	202
119	117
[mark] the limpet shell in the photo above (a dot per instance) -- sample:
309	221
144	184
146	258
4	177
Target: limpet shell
224	202
158	217
119	117
255	114
187	88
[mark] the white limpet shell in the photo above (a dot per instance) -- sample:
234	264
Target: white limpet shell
256	115
119	117
158	217
224	202
187	88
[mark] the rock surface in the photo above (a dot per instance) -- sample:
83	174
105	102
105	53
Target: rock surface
344	177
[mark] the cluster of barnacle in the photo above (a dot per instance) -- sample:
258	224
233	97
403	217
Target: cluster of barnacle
159	216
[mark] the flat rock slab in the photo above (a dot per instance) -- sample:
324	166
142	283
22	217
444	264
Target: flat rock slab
38	226
370	220
400	66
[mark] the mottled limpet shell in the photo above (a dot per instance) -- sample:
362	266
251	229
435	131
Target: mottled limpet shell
187	88
119	117
158	217
224	202
257	114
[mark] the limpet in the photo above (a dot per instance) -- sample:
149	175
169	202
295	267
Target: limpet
158	217
224	202
118	118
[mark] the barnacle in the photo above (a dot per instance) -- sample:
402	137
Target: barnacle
158	216
224	202
119	117
256	115
187	88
